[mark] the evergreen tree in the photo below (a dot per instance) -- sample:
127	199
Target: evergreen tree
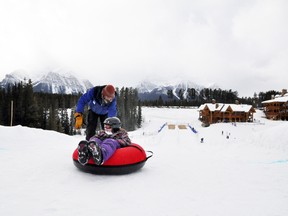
127	104
18	101
160	102
65	122
30	107
2	96
52	118
139	115
7	106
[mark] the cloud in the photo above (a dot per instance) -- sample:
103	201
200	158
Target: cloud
126	41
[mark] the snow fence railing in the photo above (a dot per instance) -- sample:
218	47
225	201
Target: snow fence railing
162	127
192	129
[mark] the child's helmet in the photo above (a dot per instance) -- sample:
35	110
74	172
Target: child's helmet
114	122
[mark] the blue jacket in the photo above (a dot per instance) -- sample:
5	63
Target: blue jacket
93	97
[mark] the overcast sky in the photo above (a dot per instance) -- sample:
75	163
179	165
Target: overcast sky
237	44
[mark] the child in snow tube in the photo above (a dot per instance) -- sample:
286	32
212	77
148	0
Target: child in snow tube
103	145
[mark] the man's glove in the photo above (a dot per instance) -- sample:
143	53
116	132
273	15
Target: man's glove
78	120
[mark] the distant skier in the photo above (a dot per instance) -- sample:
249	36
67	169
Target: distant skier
202	140
103	145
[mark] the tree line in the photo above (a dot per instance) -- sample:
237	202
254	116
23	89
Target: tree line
206	95
19	105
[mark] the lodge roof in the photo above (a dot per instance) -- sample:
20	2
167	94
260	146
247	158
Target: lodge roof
223	107
279	99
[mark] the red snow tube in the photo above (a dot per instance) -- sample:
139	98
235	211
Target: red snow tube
125	160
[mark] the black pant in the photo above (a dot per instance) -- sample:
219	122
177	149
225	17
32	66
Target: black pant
92	123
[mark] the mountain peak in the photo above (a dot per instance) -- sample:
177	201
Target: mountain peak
55	82
148	86
152	90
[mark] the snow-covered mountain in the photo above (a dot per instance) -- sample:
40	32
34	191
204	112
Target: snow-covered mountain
58	83
50	82
148	90
14	77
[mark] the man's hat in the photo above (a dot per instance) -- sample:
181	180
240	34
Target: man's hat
109	91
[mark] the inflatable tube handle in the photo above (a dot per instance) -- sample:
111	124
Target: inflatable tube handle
149	156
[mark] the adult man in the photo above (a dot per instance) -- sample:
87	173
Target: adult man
102	104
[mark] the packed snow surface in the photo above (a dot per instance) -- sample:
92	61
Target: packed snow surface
239	170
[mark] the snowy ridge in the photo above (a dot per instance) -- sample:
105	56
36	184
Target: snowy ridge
152	90
50	82
148	86
15	77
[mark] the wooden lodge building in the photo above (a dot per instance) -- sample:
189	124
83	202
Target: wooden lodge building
216	112
277	107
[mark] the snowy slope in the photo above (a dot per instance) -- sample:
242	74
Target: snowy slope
246	174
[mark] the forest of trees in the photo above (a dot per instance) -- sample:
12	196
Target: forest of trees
206	95
19	105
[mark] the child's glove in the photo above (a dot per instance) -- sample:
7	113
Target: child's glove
78	120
